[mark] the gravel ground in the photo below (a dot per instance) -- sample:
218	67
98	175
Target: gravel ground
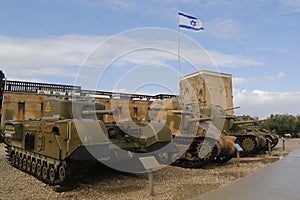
99	182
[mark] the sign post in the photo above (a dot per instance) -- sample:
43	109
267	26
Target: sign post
150	164
151	183
283	143
269	145
238	150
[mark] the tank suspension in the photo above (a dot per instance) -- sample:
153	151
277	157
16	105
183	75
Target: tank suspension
248	143
199	153
37	167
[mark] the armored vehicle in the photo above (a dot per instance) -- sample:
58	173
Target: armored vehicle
252	124
271	135
1	137
248	136
197	139
71	131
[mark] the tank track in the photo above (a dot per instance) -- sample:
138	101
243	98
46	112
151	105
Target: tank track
274	140
226	153
200	152
49	170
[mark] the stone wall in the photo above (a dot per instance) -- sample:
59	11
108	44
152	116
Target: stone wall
206	88
197	89
19	106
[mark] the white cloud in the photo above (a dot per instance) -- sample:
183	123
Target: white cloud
237	81
45	56
233	61
280	75
240	81
263	103
225	29
276	50
290	6
61	56
115	5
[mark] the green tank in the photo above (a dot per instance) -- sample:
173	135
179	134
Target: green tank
272	136
250	138
252	124
72	131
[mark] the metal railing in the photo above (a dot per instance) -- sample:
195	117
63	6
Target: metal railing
59	89
32	87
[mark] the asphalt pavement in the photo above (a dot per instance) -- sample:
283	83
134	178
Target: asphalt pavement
278	181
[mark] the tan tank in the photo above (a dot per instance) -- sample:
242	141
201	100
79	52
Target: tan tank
198	140
74	131
248	136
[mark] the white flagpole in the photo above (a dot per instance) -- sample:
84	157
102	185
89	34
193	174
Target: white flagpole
178	52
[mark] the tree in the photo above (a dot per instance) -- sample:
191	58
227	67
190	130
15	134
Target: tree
283	124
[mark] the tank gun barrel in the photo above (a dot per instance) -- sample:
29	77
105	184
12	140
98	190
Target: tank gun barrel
243	122
103	112
192	103
181	112
173	111
200	119
247	122
225	117
233	108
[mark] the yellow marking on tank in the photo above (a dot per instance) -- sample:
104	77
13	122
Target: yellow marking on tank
48	108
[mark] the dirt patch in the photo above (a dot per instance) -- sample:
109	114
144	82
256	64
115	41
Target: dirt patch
99	182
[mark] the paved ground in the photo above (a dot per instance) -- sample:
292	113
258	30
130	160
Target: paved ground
276	182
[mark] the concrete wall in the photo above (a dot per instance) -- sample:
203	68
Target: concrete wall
206	88
197	89
19	106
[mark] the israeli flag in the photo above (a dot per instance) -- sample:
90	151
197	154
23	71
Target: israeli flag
189	22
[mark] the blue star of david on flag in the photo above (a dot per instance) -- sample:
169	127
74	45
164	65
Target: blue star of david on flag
189	22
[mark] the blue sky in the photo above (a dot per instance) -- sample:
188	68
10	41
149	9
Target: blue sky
255	41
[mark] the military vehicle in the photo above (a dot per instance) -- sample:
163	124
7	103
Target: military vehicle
248	136
272	136
1	137
198	140
71	131
252	124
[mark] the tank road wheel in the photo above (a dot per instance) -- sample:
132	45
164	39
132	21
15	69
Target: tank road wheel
224	158
51	174
14	159
28	165
39	169
62	173
33	167
163	158
45	172
17	160
204	150
248	144
20	162
24	165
